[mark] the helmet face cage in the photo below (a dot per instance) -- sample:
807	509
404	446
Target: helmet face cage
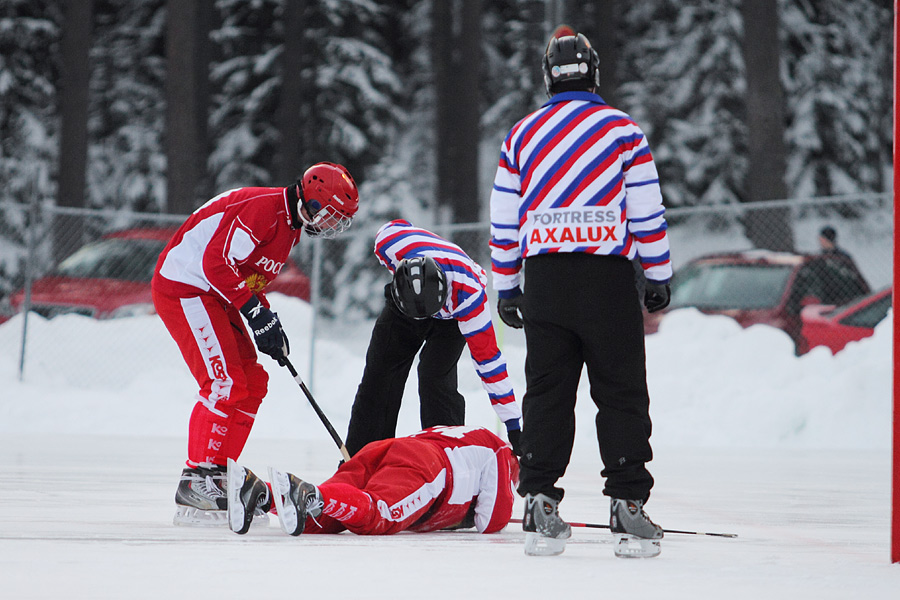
419	287
331	199
570	59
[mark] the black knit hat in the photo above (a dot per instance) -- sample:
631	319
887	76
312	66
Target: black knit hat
828	233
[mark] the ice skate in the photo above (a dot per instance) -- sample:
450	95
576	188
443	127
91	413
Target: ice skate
200	500
248	495
294	500
636	536
545	532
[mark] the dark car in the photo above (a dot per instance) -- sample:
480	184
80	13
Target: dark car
762	286
837	326
110	278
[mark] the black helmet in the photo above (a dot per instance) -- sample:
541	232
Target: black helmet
570	63
419	287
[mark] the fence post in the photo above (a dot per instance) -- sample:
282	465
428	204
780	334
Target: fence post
30	226
315	299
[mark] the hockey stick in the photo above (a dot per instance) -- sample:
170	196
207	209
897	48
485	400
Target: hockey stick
599	526
322	417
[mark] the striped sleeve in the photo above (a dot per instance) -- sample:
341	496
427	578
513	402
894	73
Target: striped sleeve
645	210
474	319
506	255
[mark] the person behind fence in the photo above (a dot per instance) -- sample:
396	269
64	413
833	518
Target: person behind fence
214	270
576	196
439	478
436	302
828	243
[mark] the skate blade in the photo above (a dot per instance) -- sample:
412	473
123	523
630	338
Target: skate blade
539	545
629	546
287	512
236	476
188	516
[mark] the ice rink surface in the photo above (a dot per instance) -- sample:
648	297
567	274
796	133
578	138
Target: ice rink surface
91	517
790	453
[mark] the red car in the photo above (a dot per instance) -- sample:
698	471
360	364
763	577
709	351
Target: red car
836	327
761	286
111	277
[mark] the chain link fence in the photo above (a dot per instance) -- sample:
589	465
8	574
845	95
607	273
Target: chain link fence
77	266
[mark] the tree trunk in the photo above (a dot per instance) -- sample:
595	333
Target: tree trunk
456	56
769	228
187	103
599	22
606	27
296	101
468	130
73	109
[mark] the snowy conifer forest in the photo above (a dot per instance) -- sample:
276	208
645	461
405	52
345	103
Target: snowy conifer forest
368	100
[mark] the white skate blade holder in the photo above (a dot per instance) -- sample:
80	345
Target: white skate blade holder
630	546
539	545
236	476
188	516
287	513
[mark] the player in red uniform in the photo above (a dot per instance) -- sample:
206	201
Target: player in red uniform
214	269
439	478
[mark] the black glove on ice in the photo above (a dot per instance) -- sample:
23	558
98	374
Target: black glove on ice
656	295
509	310
266	328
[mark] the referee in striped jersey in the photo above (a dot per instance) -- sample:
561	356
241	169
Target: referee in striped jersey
575	199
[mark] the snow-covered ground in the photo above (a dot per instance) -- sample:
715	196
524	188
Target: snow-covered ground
792	454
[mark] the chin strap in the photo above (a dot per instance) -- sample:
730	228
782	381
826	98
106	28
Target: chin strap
293	193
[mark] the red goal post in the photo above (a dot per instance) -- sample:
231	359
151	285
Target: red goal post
895	512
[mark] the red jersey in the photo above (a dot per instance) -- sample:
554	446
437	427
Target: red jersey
423	482
232	247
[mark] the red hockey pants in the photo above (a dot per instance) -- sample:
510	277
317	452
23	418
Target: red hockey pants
222	358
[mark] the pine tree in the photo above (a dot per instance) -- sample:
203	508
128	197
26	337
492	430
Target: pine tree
29	37
354	96
127	166
838	60
683	84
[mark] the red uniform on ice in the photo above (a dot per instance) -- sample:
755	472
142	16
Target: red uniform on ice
225	252
423	482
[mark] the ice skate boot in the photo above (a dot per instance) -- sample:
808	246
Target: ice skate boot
636	536
200	500
294	500
248	495
545	532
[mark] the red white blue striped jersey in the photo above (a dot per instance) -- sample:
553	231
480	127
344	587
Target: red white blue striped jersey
467	303
576	176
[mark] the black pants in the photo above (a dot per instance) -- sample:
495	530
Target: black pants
396	339
582	309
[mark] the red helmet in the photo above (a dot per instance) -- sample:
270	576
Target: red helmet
330	197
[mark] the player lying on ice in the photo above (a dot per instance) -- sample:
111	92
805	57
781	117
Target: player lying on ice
439	478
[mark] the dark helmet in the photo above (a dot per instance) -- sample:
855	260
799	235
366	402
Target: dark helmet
419	287
570	63
331	199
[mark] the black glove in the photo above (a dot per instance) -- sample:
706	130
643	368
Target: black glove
266	329
513	436
509	310
656	295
